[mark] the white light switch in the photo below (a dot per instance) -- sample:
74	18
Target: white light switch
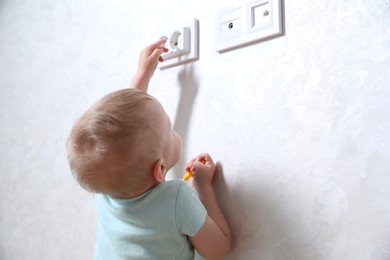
250	22
260	14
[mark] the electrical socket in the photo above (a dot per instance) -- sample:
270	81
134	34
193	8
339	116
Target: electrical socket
183	45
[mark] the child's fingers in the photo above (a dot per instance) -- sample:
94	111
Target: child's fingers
156	45
197	165
189	164
159	43
156	53
205	158
202	160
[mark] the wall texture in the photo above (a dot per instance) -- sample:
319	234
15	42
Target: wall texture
299	124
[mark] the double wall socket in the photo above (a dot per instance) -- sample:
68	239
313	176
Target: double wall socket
183	45
247	23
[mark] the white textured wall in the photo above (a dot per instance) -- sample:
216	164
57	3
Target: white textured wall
300	124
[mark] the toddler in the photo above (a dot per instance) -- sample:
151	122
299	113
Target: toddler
121	149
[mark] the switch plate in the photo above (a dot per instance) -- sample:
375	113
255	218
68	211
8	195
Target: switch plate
259	15
183	45
260	19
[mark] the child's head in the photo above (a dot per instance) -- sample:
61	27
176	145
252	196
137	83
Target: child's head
123	145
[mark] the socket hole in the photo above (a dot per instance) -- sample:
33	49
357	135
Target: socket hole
174	40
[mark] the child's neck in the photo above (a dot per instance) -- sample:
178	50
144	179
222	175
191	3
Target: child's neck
135	193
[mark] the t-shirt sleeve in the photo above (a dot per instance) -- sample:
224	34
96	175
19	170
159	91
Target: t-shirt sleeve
190	212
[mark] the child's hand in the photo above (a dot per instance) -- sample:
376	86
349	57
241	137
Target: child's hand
149	58
203	168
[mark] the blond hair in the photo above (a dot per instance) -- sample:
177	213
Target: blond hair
103	144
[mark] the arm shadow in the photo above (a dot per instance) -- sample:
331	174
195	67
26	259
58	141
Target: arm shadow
259	224
188	85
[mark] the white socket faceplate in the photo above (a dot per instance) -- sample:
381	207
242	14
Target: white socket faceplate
247	23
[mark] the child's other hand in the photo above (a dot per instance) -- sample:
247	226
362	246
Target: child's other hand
150	56
213	240
203	168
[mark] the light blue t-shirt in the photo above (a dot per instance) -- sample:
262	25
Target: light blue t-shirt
154	225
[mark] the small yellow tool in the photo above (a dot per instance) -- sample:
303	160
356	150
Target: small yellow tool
190	174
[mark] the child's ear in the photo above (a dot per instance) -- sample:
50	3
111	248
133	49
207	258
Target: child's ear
159	170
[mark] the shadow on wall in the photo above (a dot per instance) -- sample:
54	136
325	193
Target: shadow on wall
188	91
263	224
261	227
2	249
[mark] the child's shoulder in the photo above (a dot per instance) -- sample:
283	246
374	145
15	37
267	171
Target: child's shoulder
173	185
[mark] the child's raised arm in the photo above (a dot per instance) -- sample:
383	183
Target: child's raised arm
149	58
213	240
